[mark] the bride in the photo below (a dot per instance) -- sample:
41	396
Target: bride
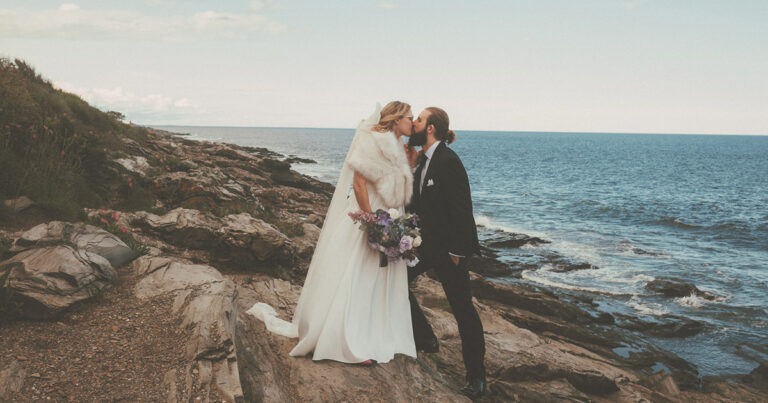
350	309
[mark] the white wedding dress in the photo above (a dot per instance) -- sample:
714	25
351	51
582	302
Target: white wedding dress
350	309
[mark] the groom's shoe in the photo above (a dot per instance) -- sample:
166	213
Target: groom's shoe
474	387
430	346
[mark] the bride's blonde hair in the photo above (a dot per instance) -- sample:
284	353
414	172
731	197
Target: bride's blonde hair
389	114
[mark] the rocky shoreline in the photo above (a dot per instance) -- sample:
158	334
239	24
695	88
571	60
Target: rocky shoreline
235	225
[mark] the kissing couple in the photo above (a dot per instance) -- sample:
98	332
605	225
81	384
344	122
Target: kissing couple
355	309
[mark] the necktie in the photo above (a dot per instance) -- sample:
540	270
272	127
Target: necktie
420	171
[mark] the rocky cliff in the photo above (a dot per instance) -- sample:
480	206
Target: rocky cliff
91	315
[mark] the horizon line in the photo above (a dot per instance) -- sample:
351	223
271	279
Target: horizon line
465	130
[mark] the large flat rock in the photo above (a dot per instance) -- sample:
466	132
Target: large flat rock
80	236
47	280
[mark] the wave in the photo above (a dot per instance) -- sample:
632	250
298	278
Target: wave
730	228
652	309
486	222
531	275
691	301
676	222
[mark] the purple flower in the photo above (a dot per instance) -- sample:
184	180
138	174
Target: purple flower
406	243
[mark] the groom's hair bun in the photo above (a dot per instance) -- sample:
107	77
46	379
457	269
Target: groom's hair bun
439	119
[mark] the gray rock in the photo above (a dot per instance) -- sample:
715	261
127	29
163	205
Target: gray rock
305	244
80	236
11	379
45	281
135	164
237	240
206	301
672	287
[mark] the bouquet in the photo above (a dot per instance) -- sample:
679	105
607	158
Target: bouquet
394	236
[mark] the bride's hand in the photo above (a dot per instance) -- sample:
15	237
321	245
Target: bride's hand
413	155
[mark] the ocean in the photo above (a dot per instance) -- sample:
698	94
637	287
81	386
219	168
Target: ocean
636	206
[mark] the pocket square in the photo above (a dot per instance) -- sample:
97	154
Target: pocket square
430	182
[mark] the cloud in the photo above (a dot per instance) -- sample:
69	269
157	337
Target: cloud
160	3
72	22
632	4
69	7
132	105
387	5
261	5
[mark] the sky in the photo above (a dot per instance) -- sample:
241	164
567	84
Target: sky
638	66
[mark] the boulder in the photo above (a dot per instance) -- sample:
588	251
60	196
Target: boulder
298	160
759	376
511	241
488	264
305	244
236	241
11	379
564	267
667	326
205	188
135	164
45	281
672	287
206	302
80	236
182	227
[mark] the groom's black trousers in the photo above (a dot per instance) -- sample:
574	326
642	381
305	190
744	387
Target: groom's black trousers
455	280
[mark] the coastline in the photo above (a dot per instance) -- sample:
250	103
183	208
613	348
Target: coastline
541	346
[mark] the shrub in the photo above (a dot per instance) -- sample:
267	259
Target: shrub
109	222
54	147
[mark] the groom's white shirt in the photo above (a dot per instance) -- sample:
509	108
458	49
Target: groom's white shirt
428	154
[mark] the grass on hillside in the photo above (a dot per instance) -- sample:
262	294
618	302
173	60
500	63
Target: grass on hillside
54	147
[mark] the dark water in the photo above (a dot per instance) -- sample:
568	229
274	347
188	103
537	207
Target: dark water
637	206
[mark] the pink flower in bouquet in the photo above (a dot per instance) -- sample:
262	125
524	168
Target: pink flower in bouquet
130	185
362	216
115	216
103	212
123	230
103	221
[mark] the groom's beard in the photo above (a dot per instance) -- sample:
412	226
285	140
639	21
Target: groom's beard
418	139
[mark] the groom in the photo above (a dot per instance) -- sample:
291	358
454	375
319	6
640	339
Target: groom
442	200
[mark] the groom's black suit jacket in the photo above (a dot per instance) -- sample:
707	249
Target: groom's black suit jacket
444	207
